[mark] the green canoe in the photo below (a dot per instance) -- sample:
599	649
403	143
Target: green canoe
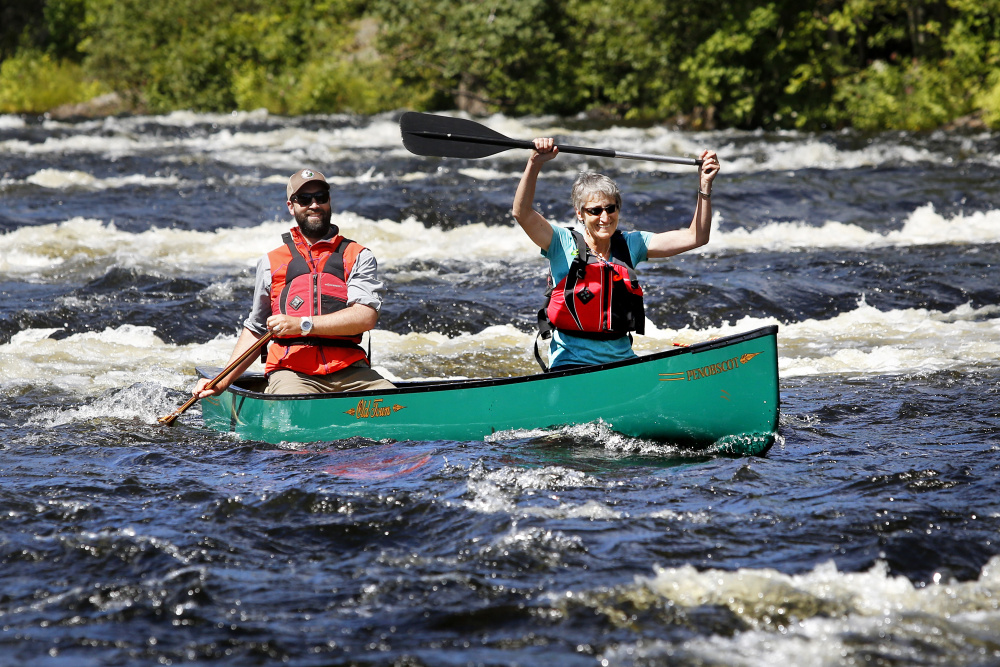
720	395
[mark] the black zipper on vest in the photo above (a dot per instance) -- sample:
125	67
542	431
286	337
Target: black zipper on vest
606	286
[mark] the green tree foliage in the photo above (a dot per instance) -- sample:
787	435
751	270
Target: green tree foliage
172	54
289	56
478	55
625	53
39	59
810	64
35	82
20	26
827	63
973	45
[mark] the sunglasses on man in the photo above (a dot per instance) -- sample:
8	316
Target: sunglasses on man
307	198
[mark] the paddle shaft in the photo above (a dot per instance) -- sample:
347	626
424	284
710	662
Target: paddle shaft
262	341
578	150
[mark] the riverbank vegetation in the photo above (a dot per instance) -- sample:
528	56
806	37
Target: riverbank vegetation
795	64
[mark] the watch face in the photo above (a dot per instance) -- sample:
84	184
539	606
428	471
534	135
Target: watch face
307	326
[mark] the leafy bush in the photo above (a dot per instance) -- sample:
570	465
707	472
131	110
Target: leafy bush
504	54
288	56
989	101
33	82
319	87
913	97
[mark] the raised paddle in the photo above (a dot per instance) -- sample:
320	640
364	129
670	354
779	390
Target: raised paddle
443	136
169	419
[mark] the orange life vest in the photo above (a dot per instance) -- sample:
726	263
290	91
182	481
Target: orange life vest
307	281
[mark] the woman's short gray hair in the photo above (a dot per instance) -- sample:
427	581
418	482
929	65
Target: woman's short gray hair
589	184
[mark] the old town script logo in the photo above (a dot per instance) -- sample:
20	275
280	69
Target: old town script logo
710	370
372	409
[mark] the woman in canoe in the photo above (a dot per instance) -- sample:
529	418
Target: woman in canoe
595	300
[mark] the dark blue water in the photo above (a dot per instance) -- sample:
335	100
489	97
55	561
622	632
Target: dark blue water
867	535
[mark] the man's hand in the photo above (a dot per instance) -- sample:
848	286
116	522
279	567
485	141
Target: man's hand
284	326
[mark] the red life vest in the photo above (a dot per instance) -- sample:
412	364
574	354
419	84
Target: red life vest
597	299
307	281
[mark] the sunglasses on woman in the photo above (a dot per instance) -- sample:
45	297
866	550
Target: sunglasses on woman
307	198
597	210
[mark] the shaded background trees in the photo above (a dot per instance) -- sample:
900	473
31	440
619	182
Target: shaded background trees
870	64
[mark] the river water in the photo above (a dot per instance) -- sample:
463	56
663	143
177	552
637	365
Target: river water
867	535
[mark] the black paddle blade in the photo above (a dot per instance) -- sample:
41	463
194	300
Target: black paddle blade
443	136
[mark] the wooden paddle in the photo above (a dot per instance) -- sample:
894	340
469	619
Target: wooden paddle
443	136
169	419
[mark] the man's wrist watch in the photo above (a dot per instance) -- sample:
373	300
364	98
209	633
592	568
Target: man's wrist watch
306	325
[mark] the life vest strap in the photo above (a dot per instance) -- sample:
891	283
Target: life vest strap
538	355
315	340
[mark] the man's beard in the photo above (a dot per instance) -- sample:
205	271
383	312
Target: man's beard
312	228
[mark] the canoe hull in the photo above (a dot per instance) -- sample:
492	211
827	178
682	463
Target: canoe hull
721	395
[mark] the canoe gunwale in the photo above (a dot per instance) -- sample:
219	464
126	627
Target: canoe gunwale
404	388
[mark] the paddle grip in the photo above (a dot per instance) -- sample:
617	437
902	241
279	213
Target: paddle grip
582	150
606	152
689	161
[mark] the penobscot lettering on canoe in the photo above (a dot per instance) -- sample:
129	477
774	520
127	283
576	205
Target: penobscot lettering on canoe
721	367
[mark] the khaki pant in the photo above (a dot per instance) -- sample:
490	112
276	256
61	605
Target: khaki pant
356	377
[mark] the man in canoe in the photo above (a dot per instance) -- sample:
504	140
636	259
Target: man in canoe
595	299
317	294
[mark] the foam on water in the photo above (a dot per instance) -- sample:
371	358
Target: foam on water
87	248
92	246
503	489
236	139
95	361
549	547
144	402
110	147
799	153
499	337
914	340
9	122
140	124
254	139
58	179
591	510
924	226
821	617
485	174
599	433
